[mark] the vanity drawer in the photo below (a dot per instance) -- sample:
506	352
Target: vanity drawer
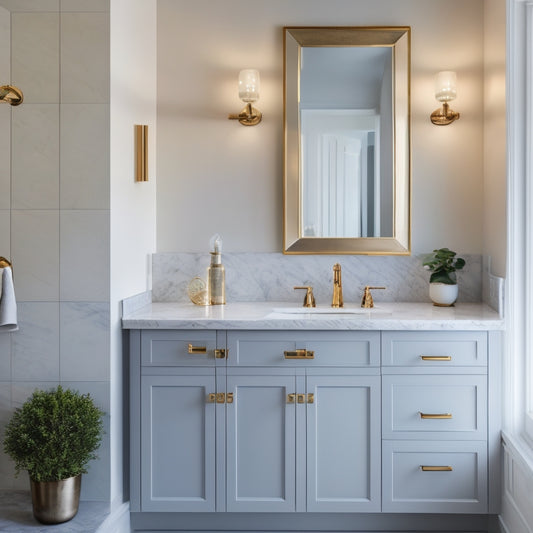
431	477
442	407
434	350
178	348
304	348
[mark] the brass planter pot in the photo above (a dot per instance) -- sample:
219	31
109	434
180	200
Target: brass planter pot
55	502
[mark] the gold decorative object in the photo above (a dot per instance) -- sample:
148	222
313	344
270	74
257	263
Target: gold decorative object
445	91
10	94
197	291
5	263
141	152
249	83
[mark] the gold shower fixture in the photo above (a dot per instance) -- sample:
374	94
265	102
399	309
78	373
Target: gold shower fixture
11	95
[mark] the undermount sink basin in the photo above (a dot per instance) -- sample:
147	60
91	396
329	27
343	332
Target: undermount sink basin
323	310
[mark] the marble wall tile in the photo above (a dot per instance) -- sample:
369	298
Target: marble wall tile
35	156
35	53
84	256
36	344
5	357
84	341
272	276
16	6
85	5
5	156
85	58
84	162
35	254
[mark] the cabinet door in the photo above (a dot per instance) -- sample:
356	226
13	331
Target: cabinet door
261	444
343	444
178	443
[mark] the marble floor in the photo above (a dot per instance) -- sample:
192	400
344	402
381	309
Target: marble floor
16	515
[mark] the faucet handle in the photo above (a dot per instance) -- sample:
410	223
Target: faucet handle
309	300
367	302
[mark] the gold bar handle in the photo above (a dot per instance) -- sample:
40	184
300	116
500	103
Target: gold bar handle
211	397
300	398
426	468
229	397
299	354
436	357
310	398
197	349
291	398
221	354
435	416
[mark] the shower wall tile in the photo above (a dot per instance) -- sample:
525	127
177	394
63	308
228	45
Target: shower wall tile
84	341
85	5
5	231
7	469
35	153
30	5
84	161
35	50
5	156
84	257
85	58
5	357
36	344
5	44
35	254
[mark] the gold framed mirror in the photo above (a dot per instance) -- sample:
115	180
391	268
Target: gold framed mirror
347	141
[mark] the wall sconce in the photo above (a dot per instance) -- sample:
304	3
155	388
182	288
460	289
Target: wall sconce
10	94
445	91
248	93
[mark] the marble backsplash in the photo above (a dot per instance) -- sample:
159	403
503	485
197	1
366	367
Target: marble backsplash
272	276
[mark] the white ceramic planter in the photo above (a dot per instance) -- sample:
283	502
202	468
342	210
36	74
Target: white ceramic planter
443	294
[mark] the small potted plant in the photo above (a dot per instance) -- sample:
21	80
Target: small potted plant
53	436
443	287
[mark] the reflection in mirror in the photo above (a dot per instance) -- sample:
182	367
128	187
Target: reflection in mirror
346	140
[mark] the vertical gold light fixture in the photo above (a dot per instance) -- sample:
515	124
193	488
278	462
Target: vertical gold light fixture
141	152
249	82
445	91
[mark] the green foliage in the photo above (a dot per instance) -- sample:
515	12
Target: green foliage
54	434
443	265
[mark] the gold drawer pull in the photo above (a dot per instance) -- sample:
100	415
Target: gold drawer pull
310	398
425	468
436	416
221	354
436	357
197	349
211	397
299	354
291	398
300	398
229	397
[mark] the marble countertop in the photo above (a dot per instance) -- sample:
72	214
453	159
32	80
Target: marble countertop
261	316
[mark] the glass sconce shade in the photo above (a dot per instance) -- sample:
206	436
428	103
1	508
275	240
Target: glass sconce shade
249	85
446	86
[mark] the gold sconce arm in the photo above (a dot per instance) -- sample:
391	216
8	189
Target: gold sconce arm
249	116
444	116
11	95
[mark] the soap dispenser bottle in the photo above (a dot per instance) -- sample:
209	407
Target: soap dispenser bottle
216	290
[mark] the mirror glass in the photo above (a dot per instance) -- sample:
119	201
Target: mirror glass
347	160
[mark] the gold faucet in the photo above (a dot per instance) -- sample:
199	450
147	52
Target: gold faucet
309	299
337	287
368	302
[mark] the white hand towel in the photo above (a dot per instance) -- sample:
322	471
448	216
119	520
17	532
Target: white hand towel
8	303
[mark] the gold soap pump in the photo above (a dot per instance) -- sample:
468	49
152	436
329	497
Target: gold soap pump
216	289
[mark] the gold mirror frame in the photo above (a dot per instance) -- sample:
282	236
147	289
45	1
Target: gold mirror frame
399	38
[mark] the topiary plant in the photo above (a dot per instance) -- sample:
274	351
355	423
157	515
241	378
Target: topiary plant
54	434
443	265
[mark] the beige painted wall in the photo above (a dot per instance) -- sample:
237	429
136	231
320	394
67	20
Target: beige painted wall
494	162
217	176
